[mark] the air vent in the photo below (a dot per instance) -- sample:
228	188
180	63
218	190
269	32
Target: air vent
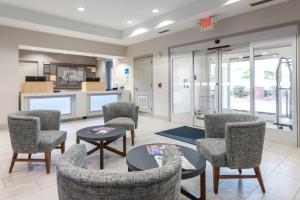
260	2
164	31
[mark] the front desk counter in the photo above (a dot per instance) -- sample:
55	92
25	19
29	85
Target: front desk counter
73	104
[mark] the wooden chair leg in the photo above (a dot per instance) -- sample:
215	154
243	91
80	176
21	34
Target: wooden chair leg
259	178
132	137
62	147
13	160
48	161
240	171
216	175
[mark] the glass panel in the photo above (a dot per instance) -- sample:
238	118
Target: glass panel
236	81
63	104
273	86
182	90
205	77
97	101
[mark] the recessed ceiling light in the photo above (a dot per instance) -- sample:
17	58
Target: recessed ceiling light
81	9
164	23
138	31
129	22
155	10
231	2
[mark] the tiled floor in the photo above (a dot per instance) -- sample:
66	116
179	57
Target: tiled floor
280	168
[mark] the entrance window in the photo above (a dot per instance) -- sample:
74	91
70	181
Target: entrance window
273	85
236	81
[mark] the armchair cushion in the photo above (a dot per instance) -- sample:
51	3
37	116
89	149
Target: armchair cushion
49	140
124	122
213	149
121	109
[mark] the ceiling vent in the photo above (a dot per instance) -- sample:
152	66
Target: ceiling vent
260	2
164	31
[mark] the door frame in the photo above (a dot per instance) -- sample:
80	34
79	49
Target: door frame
134	80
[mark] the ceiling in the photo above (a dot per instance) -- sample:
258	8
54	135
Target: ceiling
109	13
106	20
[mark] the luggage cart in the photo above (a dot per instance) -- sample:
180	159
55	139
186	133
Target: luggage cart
284	93
206	104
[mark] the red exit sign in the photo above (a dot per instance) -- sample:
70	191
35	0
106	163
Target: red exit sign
207	23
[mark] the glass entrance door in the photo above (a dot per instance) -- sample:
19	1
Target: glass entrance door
205	84
258	78
182	89
275	91
235	77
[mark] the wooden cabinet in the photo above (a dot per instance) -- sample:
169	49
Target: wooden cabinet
37	87
93	86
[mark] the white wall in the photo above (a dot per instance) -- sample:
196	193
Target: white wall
118	73
250	22
11	38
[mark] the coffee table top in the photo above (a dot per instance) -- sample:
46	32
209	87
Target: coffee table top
138	159
87	134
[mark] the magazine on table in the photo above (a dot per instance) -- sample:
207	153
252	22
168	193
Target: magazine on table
102	130
157	151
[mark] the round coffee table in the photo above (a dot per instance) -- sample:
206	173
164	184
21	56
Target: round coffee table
101	141
138	159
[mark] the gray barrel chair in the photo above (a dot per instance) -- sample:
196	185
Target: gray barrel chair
35	132
122	114
76	182
235	141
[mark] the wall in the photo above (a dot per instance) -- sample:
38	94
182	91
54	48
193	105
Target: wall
11	38
118	73
248	22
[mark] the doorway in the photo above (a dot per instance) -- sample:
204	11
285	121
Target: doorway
258	78
143	91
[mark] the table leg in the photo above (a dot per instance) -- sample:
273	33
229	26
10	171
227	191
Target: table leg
203	186
124	145
101	147
77	140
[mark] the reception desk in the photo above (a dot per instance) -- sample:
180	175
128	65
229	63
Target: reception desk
73	104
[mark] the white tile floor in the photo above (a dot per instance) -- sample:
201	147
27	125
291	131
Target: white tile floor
280	168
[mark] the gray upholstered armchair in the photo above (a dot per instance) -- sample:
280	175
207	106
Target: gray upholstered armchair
235	141
122	114
76	182
35	132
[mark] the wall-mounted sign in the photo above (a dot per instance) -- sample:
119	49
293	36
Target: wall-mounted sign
126	71
207	24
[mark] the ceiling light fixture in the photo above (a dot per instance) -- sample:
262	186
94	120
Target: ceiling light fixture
129	22
138	31
155	10
231	2
81	9
164	23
